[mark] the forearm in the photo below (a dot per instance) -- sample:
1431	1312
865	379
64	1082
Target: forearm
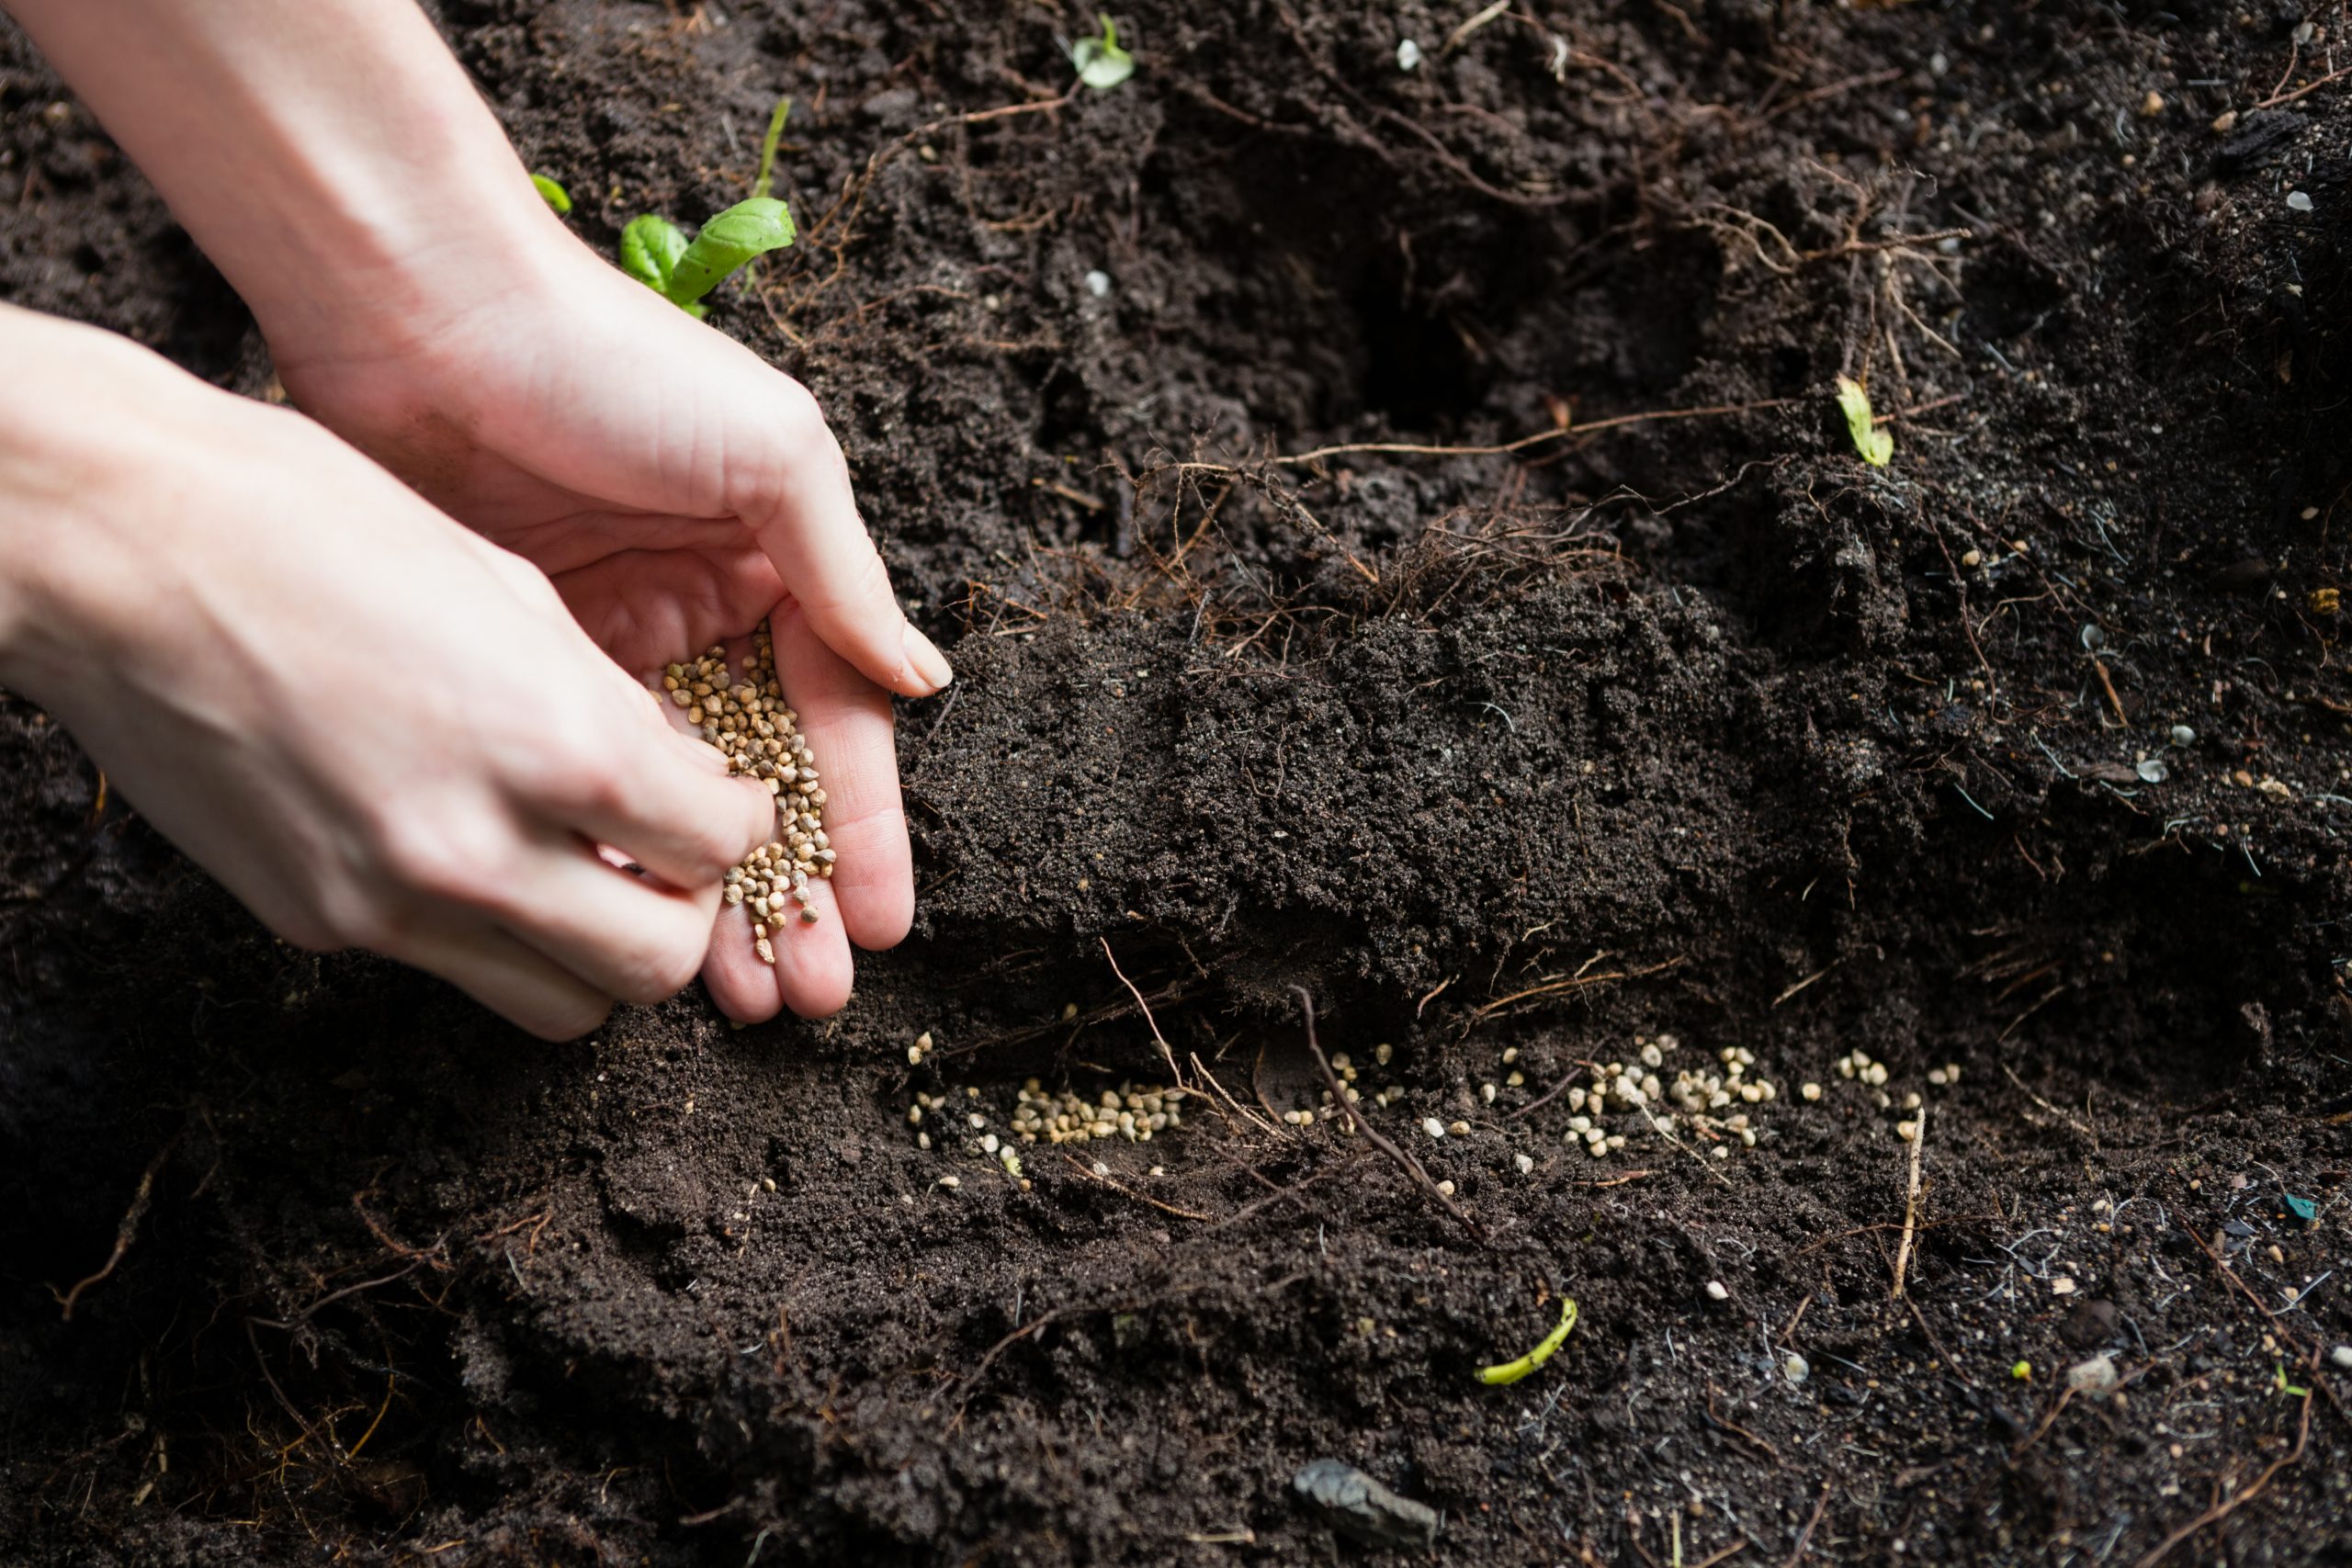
329	155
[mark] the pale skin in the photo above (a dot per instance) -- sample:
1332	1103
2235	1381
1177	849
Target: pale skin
376	664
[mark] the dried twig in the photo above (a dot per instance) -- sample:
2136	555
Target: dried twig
1117	1186
124	1234
1910	1203
1174	1074
1806	1539
1405	1162
2239	1498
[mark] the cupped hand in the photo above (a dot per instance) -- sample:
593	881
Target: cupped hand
677	490
376	728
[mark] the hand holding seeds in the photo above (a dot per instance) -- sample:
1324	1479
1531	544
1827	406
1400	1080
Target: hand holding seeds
422	301
374	728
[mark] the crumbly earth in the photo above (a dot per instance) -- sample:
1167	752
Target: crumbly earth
2026	755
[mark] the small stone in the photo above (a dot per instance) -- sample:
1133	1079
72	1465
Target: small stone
2182	736
2342	1356
1460	1128
2225	122
1098	283
1446	1187
1524	1163
1795	1368
2095	1377
1409	55
1433	1127
2153	104
2062	1286
2299	201
1717	1291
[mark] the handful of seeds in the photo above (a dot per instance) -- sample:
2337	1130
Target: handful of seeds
747	721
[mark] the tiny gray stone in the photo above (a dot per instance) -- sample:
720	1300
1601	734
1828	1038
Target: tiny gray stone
1354	1502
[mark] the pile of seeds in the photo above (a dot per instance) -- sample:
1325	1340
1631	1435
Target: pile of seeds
1713	1099
1131	1113
747	721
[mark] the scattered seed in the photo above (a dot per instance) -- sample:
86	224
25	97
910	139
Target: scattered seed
1460	1128
1433	1127
1446	1187
1526	1163
1717	1291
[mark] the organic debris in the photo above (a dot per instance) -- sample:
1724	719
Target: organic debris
1354	1502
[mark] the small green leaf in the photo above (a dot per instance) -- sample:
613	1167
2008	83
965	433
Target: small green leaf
650	247
727	242
1876	446
1101	64
555	194
1511	1371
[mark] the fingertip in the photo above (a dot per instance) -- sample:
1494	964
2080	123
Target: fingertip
813	968
741	985
925	661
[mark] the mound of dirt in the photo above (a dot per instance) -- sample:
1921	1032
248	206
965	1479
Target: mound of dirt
1397	538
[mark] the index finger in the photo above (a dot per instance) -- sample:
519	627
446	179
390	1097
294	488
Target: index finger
847	721
789	484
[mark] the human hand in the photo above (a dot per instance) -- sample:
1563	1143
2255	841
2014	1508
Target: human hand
376	728
677	490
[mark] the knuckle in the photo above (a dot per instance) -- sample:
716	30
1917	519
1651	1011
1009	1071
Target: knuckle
438	860
661	971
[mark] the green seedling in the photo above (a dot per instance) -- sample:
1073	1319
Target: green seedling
658	254
1511	1371
553	193
1101	64
765	182
2022	1372
1876	446
2286	1388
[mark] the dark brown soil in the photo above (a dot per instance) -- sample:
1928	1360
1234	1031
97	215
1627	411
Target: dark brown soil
1692	726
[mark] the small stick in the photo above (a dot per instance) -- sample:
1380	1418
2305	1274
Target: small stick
1910	1203
1346	1107
1145	1007
2245	1494
124	1234
1805	1539
1120	1186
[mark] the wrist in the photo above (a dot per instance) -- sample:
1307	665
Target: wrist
68	568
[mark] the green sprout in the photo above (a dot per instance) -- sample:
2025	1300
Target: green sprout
2284	1387
555	194
2022	1372
1876	446
1101	64
657	253
766	181
1511	1371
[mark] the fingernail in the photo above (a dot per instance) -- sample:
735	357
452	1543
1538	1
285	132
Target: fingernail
929	662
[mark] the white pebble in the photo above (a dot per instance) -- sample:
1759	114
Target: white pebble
1527	1162
1446	1187
1408	58
2299	201
2342	1356
2095	1377
1098	283
1717	1291
1433	1127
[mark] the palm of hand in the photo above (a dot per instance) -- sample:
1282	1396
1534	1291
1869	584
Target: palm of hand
632	497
